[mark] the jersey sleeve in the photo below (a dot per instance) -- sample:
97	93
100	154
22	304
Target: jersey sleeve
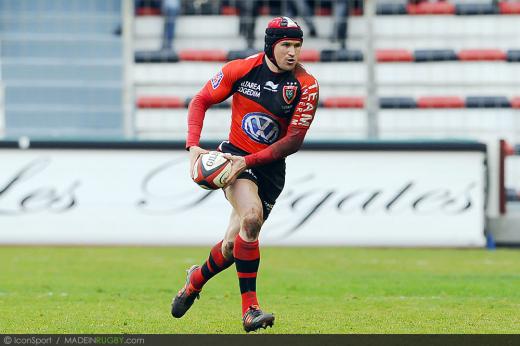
300	123
216	90
286	146
306	108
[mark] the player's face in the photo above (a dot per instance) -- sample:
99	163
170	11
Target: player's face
287	54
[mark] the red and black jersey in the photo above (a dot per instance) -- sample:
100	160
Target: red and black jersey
271	112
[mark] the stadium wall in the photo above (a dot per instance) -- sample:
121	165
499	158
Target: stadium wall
2	113
428	194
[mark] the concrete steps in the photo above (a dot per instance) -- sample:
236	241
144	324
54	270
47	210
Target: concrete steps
61	67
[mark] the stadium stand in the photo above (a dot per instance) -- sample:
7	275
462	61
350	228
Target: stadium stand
61	67
437	73
438	62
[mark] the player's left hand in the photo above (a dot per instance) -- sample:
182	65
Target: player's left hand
238	165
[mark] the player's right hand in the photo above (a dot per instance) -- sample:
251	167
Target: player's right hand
195	152
238	165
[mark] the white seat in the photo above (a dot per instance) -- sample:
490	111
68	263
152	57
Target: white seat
328	124
479	124
407	32
348	79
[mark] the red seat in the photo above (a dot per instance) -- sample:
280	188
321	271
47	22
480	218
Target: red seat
394	55
431	8
344	102
440	102
229	11
160	102
310	55
507	148
515	102
356	11
482	54
509	7
148	11
322	11
202	55
264	10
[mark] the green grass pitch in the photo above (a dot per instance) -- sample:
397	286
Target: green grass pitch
310	290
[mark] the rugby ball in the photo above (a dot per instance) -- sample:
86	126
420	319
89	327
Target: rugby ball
211	170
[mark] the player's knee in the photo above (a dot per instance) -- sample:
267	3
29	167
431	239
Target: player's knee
227	249
251	224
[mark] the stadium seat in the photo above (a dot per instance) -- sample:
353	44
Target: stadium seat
440	102
160	56
203	55
513	55
344	102
148	11
394	55
322	11
427	55
431	8
482	54
466	9
240	54
397	102
515	102
328	55
310	55
391	9
508	148
424	102
487	102
509	7
160	102
512	195
229	11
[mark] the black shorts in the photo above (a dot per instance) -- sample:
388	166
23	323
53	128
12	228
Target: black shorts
269	178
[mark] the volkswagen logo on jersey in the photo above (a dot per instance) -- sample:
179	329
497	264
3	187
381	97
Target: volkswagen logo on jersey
261	128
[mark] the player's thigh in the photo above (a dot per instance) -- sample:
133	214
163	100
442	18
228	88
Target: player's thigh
243	196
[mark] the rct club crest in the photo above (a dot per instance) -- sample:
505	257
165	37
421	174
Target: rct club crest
289	93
